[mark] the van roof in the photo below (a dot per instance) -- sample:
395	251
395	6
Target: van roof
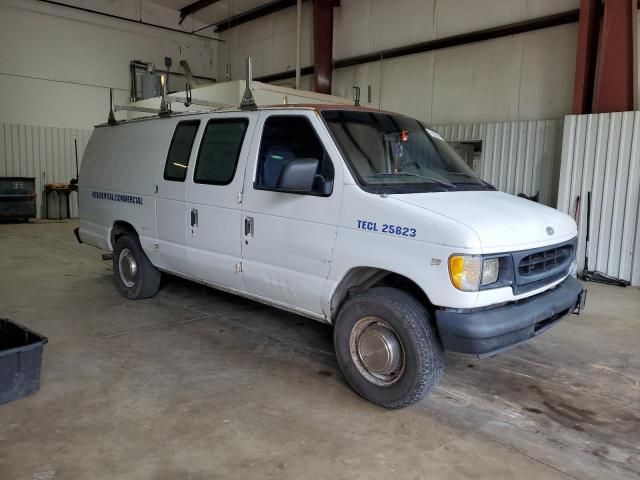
298	106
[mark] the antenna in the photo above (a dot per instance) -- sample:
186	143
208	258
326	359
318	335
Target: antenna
248	102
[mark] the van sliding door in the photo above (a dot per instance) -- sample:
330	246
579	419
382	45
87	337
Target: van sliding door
213	200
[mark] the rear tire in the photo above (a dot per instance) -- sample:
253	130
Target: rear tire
387	348
135	275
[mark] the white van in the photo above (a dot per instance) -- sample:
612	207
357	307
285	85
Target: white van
360	218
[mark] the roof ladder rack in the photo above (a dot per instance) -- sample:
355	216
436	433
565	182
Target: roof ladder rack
248	102
188	100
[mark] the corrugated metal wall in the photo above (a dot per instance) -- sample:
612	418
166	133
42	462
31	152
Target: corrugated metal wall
517	157
46	153
601	154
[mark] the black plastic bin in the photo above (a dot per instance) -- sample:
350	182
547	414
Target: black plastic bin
20	361
17	198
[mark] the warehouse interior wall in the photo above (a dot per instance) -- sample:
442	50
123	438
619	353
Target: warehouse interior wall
57	64
270	41
601	157
525	77
522	77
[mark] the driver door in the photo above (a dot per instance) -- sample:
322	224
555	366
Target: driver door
289	237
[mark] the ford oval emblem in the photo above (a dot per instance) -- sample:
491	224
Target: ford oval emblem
549	231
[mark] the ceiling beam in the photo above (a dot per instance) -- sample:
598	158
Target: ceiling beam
194	7
128	19
254	14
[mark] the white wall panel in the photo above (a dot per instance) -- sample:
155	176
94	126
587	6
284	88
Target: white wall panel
46	153
526	77
57	64
478	81
271	43
517	157
364	26
416	18
45	41
351	24
521	77
363	76
601	155
406	85
547	73
454	17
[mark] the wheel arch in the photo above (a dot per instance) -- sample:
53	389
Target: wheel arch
359	279
119	228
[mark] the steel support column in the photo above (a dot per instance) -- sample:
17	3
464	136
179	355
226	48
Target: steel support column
322	45
586	56
615	79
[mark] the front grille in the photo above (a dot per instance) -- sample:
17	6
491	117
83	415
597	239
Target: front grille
539	267
544	261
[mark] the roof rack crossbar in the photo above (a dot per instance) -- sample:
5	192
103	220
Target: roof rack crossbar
134	108
204	103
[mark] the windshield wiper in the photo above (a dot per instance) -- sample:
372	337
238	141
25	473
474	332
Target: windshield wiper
450	186
472	177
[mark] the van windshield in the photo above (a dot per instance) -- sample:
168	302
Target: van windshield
396	154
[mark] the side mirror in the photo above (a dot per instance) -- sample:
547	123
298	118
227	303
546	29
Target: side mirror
297	175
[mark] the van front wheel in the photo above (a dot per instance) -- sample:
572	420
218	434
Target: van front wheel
387	348
135	275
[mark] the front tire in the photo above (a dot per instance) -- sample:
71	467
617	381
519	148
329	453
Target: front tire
387	348
135	275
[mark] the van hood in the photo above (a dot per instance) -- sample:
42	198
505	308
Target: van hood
502	222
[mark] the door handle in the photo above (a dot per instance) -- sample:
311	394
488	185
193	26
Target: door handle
248	226
194	217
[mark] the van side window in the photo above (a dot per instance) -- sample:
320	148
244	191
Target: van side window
219	151
286	138
180	150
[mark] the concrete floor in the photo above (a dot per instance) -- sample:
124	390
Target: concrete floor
196	384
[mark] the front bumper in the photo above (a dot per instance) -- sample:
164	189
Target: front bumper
488	331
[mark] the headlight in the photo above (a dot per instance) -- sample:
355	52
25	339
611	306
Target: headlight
469	272
490	270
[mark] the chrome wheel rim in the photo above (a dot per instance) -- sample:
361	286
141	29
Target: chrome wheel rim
127	267
376	351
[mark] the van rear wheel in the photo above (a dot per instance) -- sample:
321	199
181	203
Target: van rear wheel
135	275
387	348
